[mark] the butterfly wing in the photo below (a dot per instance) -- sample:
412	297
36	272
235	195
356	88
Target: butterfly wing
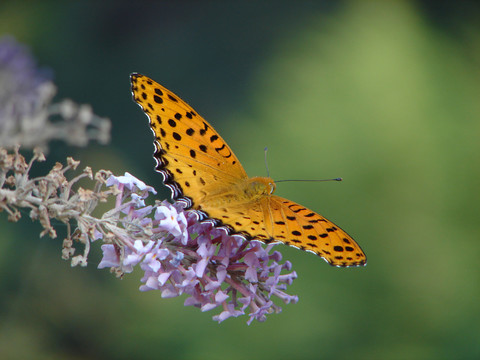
275	219
190	154
297	226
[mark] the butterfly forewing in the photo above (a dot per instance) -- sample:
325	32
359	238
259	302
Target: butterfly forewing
189	152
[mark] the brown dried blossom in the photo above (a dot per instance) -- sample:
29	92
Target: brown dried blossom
53	197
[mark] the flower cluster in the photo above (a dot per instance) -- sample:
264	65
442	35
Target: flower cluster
177	254
183	256
28	115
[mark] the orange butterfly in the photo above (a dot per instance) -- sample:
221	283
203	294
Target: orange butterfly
202	172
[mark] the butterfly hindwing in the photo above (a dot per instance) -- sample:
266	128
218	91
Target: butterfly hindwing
275	219
297	226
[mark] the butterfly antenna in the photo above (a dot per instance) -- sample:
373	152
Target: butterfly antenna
266	163
336	179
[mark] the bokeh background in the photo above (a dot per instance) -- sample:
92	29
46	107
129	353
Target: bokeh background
385	94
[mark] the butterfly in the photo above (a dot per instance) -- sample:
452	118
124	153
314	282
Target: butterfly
203	173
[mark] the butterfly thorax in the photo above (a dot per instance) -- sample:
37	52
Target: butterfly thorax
257	187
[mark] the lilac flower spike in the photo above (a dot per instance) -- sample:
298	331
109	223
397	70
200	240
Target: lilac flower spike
184	256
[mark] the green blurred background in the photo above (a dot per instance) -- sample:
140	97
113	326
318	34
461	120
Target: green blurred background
385	94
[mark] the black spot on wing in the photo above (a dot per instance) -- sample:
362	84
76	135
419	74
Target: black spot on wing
172	98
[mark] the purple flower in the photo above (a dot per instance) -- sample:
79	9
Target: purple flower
173	222
111	258
20	68
130	182
182	256
28	115
21	81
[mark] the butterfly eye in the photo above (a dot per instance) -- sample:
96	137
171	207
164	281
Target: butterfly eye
272	187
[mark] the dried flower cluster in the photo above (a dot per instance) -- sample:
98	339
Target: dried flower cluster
52	197
28	115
